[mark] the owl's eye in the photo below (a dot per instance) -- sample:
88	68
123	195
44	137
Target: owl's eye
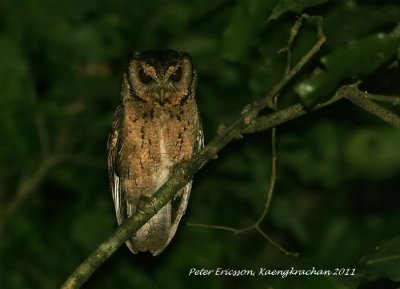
177	75
144	78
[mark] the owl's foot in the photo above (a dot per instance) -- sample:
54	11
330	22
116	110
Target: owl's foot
145	205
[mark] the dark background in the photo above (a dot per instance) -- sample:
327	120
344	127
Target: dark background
337	193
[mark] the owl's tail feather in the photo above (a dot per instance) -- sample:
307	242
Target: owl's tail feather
154	234
177	212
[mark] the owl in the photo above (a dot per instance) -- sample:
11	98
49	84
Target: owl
156	126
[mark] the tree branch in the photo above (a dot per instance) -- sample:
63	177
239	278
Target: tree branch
394	100
38	116
247	122
184	172
286	114
360	99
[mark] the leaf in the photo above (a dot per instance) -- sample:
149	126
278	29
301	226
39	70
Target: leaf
365	20
373	152
384	262
246	22
357	59
293	5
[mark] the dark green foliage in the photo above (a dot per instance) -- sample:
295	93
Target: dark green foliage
295	6
384	262
337	192
355	60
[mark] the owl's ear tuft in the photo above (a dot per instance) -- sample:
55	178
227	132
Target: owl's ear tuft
135	54
186	55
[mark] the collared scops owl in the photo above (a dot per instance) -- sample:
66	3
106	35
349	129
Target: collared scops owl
156	126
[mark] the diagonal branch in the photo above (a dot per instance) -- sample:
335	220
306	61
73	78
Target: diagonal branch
184	172
247	122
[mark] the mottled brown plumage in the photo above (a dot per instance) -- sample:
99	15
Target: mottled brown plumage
156	126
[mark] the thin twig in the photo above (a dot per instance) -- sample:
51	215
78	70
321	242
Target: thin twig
276	245
29	185
38	117
273	177
321	38
359	98
294	31
225	228
256	224
394	100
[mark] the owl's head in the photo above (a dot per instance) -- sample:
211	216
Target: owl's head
162	78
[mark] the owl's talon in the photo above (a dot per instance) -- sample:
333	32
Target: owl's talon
246	109
221	128
239	136
143	205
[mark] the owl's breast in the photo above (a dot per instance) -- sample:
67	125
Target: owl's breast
153	142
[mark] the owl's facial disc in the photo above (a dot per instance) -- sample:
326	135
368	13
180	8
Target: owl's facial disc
161	78
161	86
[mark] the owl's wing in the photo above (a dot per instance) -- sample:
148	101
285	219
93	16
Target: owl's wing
180	201
199	138
115	181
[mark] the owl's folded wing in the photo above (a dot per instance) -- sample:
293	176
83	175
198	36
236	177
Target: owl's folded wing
115	180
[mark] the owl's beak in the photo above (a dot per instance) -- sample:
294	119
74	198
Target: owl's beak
161	95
